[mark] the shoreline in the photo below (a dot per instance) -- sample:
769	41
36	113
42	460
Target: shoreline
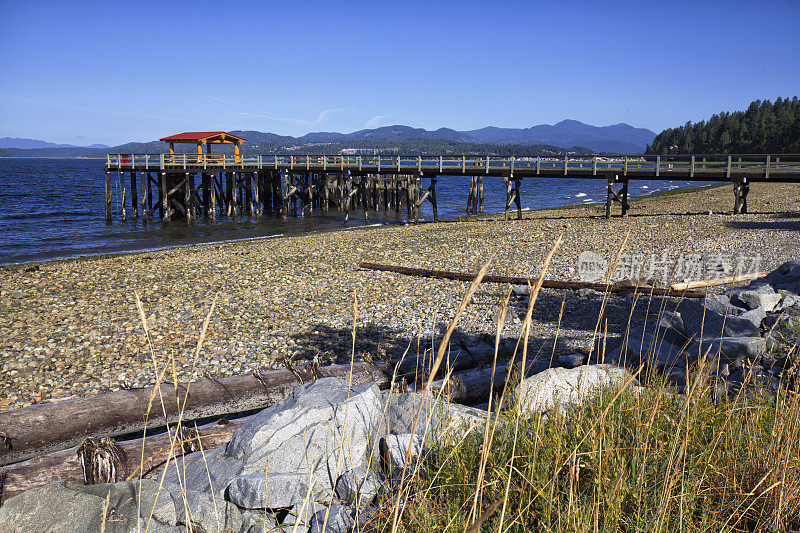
72	327
460	218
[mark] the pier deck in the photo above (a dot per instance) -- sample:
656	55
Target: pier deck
276	183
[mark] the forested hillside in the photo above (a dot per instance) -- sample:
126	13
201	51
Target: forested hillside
764	128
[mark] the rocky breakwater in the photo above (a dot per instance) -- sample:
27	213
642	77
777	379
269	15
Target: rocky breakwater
314	462
741	336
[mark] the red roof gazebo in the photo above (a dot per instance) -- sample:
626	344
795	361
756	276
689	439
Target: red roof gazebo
206	138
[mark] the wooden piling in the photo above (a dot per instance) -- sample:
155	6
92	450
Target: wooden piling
108	196
122	194
212	198
166	211
143	180
480	194
189	198
134	196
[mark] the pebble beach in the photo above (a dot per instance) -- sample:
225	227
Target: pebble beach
72	327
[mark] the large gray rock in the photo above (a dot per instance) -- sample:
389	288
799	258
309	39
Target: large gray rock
436	417
786	277
209	471
258	522
401	451
335	519
255	491
320	431
67	508
713	324
358	487
560	387
205	514
763	297
729	348
652	349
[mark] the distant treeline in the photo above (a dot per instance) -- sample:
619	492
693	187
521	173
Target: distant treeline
764	128
386	147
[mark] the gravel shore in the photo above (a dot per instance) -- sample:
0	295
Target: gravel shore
71	328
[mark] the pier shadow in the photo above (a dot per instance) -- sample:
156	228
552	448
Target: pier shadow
548	337
789	222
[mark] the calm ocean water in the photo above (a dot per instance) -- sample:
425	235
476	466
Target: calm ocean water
54	208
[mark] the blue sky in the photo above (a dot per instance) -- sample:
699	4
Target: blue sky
111	72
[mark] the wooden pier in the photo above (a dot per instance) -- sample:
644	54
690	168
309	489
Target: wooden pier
187	186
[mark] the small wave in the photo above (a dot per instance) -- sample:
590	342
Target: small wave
580	195
46	214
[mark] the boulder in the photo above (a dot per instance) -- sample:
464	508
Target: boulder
358	487
205	514
786	277
396	448
729	348
339	520
644	347
713	324
68	508
320	431
560	387
437	417
573	360
255	491
208	471
258	522
751	299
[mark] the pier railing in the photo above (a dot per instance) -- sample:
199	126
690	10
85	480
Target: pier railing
723	166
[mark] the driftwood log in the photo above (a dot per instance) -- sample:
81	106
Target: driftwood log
45	428
716	281
548	284
66	465
473	386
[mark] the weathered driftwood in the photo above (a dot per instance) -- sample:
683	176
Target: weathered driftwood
45	428
66	465
473	387
548	284
716	281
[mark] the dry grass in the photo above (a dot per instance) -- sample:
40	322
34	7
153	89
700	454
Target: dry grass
627	459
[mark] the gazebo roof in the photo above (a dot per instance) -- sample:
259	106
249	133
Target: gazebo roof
204	136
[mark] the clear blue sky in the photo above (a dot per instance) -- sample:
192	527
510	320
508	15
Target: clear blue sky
111	72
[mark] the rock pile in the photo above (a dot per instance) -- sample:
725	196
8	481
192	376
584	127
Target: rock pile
735	331
319	458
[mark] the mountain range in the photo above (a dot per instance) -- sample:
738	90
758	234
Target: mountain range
567	134
16	142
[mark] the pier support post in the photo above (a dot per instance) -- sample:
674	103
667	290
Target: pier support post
285	195
145	183
134	196
189	198
509	196
309	196
432	198
517	197
257	209
612	195
166	211
471	196
740	190
624	197
249	193
480	194
108	196
122	194
212	198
